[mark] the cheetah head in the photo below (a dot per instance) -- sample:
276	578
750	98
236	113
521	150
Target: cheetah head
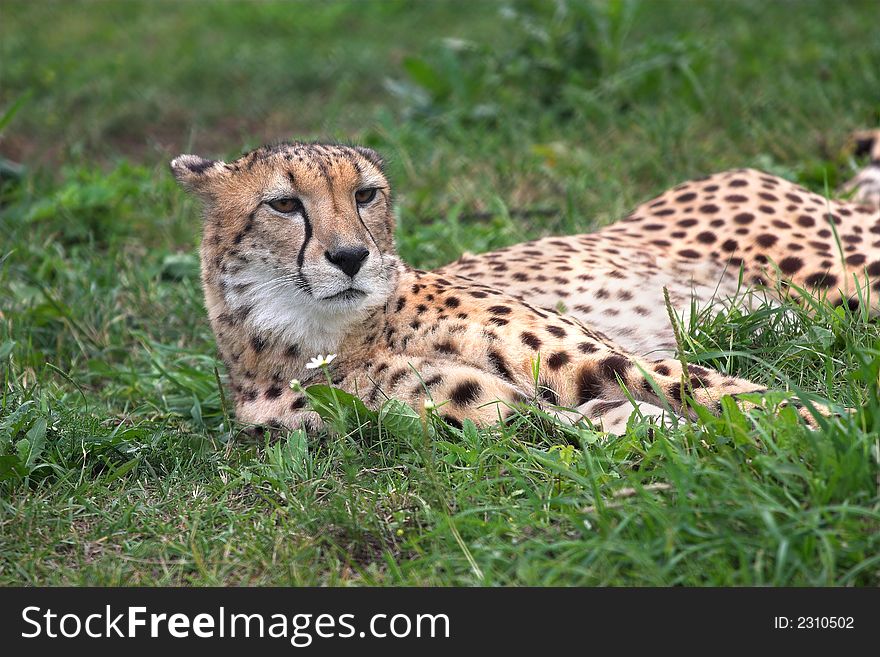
298	238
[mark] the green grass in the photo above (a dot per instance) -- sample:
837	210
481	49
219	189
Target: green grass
118	461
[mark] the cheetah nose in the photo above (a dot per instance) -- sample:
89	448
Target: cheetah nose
348	260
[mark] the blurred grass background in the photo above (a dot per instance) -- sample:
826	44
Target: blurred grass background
501	121
595	104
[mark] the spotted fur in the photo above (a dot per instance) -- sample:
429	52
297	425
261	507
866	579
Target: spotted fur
696	241
281	224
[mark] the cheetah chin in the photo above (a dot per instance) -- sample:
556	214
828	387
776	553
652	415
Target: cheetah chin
280	307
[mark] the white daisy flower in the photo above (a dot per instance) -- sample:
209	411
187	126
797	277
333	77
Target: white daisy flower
295	385
320	361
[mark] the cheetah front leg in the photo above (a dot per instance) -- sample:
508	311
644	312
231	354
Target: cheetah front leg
613	416
457	392
454	390
300	420
655	391
667	383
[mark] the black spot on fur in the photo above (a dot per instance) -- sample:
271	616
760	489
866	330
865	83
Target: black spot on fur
465	393
706	237
790	265
500	365
499	310
446	347
698	382
432	381
767	240
589	384
820	279
557	360
530	340
615	366
855	259
806	221
395	377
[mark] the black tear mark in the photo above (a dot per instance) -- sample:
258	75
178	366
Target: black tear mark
307	227
357	209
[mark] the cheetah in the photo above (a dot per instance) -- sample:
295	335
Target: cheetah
865	186
741	234
298	258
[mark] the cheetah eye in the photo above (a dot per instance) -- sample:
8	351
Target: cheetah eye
364	196
286	205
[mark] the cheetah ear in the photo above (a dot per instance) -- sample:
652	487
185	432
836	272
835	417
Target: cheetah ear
863	147
866	143
195	174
